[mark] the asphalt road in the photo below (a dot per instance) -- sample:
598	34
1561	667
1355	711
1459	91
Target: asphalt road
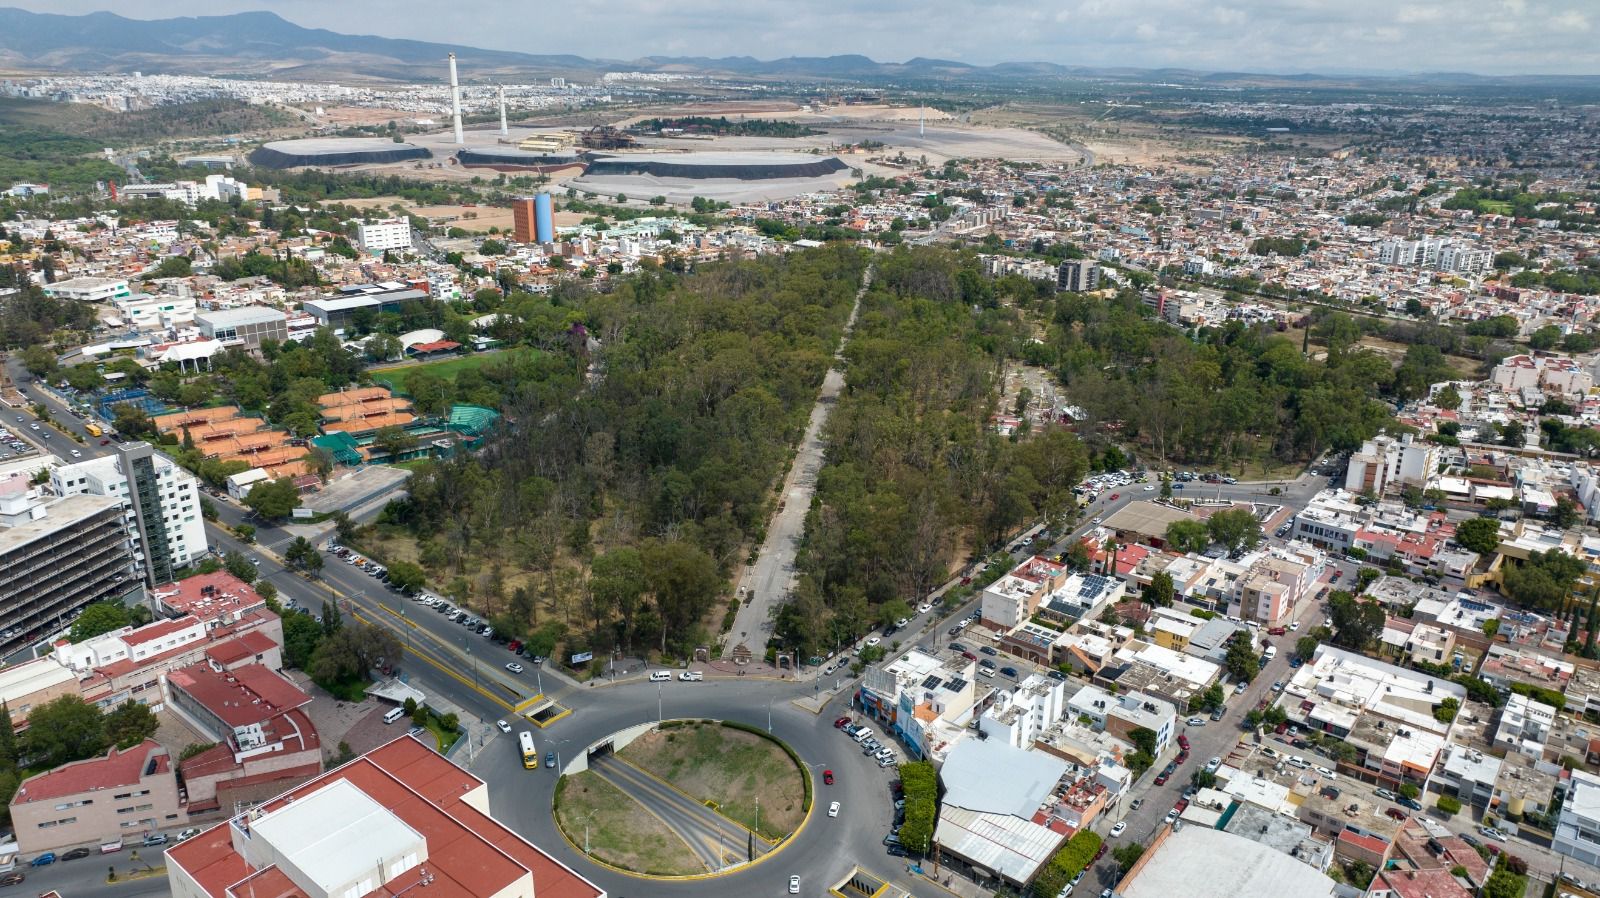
821	852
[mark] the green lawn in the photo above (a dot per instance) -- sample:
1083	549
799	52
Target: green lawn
395	378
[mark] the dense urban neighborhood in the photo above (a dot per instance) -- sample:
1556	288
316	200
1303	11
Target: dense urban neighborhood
670	480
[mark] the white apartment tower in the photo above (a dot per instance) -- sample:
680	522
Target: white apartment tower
160	501
1386	463
380	236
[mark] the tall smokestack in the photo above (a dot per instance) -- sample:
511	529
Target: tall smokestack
455	99
503	129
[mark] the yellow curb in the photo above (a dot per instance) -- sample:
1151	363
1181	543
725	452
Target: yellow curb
646	808
423	655
565	711
525	705
623	870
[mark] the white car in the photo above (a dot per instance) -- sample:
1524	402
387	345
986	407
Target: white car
660	676
502	726
691	676
1172	816
514	667
1149	489
1213	764
1294	625
77	454
1119	829
902	622
873	641
794	885
924	608
833	809
1196	721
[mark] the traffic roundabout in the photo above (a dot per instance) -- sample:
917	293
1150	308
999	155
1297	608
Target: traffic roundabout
683	798
685	846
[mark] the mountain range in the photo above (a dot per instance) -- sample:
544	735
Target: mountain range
264	44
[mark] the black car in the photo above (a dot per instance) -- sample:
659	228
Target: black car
897	851
1009	671
986	664
987	650
957	647
1056	675
75	854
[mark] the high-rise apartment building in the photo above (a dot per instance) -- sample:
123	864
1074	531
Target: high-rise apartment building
161	504
55	557
380	236
1078	275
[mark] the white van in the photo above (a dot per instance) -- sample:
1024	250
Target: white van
660	676
394	715
1272	652
1297	761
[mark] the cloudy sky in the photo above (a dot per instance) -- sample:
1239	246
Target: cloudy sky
1488	36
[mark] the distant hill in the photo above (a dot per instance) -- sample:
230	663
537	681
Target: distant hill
263	44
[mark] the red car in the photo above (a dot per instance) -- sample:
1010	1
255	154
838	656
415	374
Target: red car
1182	803
1114	497
1276	631
1396	813
827	777
969	656
1102	852
1183	742
840	723
105	442
1161	778
1336	576
1183	756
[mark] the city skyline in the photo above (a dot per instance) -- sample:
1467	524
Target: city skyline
1491	37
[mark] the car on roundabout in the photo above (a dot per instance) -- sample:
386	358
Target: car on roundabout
827	777
833	809
794	885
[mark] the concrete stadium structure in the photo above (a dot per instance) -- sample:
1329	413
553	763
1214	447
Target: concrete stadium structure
332	151
699	166
511	159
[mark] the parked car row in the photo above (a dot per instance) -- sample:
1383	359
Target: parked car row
870	746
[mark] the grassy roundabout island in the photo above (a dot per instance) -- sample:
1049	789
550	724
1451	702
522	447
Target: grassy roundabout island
688	797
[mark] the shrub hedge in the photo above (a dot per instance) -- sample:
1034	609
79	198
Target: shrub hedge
1068	861
921	785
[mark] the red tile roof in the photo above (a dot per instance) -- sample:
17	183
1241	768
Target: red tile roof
469	853
117	768
1424	884
251	694
226	593
158	630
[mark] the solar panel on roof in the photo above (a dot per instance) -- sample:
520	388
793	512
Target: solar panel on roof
955	685
1092	584
931	682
